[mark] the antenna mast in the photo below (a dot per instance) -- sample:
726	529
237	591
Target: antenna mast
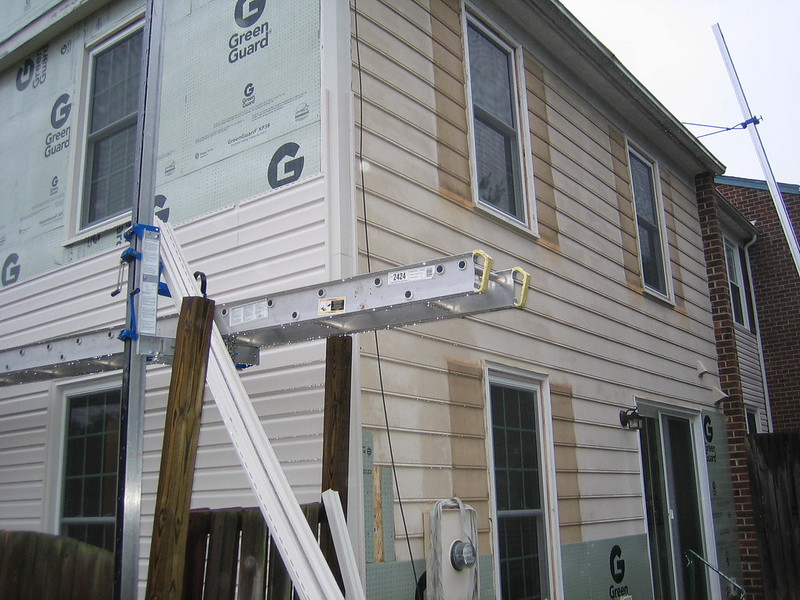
777	198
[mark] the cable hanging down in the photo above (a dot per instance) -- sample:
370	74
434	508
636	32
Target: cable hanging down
368	254
721	129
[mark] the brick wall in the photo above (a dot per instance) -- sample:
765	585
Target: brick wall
777	291
730	381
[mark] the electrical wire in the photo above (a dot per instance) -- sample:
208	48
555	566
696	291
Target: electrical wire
369	268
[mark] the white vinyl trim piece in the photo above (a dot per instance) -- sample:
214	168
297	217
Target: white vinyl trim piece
311	576
344	549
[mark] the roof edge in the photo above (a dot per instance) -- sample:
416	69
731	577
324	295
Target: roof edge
756	184
596	52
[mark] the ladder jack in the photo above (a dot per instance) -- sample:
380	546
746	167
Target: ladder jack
454	286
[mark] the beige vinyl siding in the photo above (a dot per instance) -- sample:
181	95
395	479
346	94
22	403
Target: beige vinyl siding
752	376
22	456
267	244
588	325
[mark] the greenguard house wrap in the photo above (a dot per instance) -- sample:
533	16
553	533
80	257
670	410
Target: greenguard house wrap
239	118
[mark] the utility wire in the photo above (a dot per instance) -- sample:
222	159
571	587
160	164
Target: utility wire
369	268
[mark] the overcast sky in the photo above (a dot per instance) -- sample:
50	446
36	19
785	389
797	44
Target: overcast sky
669	46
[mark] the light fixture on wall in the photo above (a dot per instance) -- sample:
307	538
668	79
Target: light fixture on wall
631	419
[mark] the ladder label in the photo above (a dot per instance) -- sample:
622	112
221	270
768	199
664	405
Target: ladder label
331	306
407	275
246	313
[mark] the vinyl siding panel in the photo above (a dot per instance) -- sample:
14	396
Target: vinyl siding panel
588	325
752	376
265	245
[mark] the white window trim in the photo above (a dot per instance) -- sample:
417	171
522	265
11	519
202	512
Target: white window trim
754	410
56	441
495	373
738	267
528	222
655	409
72	210
669	294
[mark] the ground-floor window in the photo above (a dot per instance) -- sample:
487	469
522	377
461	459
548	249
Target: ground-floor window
519	498
89	500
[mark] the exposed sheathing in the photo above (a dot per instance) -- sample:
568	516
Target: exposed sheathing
546	210
627	216
673	240
569	508
468	444
450	101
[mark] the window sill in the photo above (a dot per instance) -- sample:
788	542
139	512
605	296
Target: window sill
659	297
98	229
507	220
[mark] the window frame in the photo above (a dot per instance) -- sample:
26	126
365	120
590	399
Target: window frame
742	283
106	39
657	409
659	227
522	162
752	419
57	437
550	545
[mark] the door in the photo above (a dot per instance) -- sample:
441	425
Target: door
672	499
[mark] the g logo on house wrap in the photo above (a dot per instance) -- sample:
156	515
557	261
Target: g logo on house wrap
248	12
616	564
290	167
60	112
708	430
11	269
25	74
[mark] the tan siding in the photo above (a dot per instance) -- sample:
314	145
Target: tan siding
587	325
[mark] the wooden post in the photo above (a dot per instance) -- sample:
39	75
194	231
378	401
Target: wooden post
165	575
336	434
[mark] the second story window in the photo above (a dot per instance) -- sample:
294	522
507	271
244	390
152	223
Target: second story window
649	223
496	127
737	283
111	132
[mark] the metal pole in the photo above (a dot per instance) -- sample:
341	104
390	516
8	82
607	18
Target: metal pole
126	566
772	184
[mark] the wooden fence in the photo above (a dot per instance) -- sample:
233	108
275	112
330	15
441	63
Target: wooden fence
774	460
229	556
40	566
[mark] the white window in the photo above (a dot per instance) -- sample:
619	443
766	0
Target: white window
736	282
753	420
497	122
110	151
89	476
649	222
525	536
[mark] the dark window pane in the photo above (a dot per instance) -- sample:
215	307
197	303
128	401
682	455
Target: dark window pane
489	68
650	248
76	448
111	147
495	126
89	502
519	566
643	190
517	488
73	497
495	167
